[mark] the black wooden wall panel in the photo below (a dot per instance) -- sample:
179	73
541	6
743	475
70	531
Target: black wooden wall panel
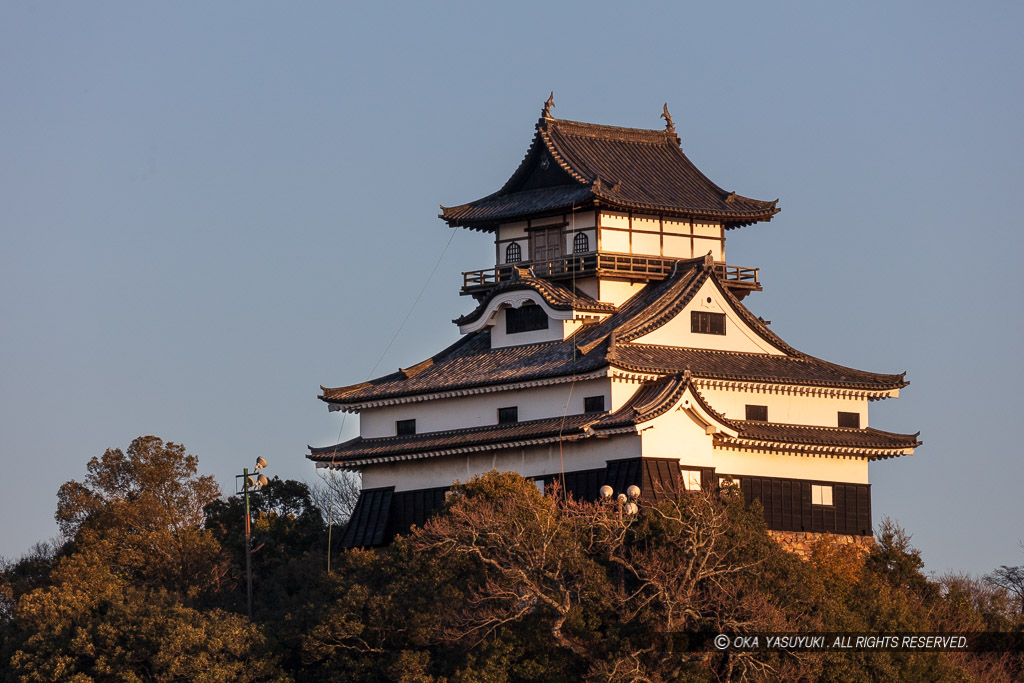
413	507
621	474
369	521
787	505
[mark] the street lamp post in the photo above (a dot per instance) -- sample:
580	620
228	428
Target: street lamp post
625	504
254	481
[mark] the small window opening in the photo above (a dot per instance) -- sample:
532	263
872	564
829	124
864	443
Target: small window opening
580	243
849	420
703	322
526	318
593	404
757	413
508	415
405	427
513	253
821	495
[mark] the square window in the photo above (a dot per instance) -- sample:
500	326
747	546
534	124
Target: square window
703	322
728	482
849	420
757	413
821	495
405	427
691	480
526	318
593	404
507	416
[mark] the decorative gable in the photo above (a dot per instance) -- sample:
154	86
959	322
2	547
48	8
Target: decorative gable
710	321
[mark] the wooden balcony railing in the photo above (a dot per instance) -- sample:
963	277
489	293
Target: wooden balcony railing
604	264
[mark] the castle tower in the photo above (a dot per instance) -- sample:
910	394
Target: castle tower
609	345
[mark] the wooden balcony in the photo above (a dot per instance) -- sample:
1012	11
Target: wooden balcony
740	280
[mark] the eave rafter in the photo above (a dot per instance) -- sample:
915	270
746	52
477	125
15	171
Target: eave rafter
334	406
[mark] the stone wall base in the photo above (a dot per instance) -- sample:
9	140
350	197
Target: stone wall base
800	542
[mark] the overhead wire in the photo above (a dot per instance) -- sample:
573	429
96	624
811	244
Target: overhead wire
572	382
402	324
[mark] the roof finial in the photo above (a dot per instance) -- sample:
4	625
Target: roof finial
546	112
669	126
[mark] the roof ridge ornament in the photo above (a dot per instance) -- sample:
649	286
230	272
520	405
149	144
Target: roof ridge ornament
545	113
670	127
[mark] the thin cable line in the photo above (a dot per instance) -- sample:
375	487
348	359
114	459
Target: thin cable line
404	320
572	384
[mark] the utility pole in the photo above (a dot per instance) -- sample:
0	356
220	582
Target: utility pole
248	543
255	481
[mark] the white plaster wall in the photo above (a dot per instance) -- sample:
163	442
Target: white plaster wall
707	229
507	231
524	246
557	330
550	220
615	241
646	244
570	237
822	411
614	219
760	464
738	336
702	246
590	287
677	247
581	219
676	227
649	223
621	391
482	409
533	461
677	434
618	292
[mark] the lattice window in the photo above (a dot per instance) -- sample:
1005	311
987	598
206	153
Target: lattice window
580	243
707	323
525	319
513	253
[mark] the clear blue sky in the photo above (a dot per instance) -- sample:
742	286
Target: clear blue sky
209	209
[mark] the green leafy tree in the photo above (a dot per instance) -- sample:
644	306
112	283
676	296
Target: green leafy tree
94	624
144	508
289	539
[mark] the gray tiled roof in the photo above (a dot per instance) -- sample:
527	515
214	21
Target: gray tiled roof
571	164
471	362
556	296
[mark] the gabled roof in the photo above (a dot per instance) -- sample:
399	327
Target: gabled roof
471	365
648	402
874	443
358	451
749	367
555	296
573	164
651	400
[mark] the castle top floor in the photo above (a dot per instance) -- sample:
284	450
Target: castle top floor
606	202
